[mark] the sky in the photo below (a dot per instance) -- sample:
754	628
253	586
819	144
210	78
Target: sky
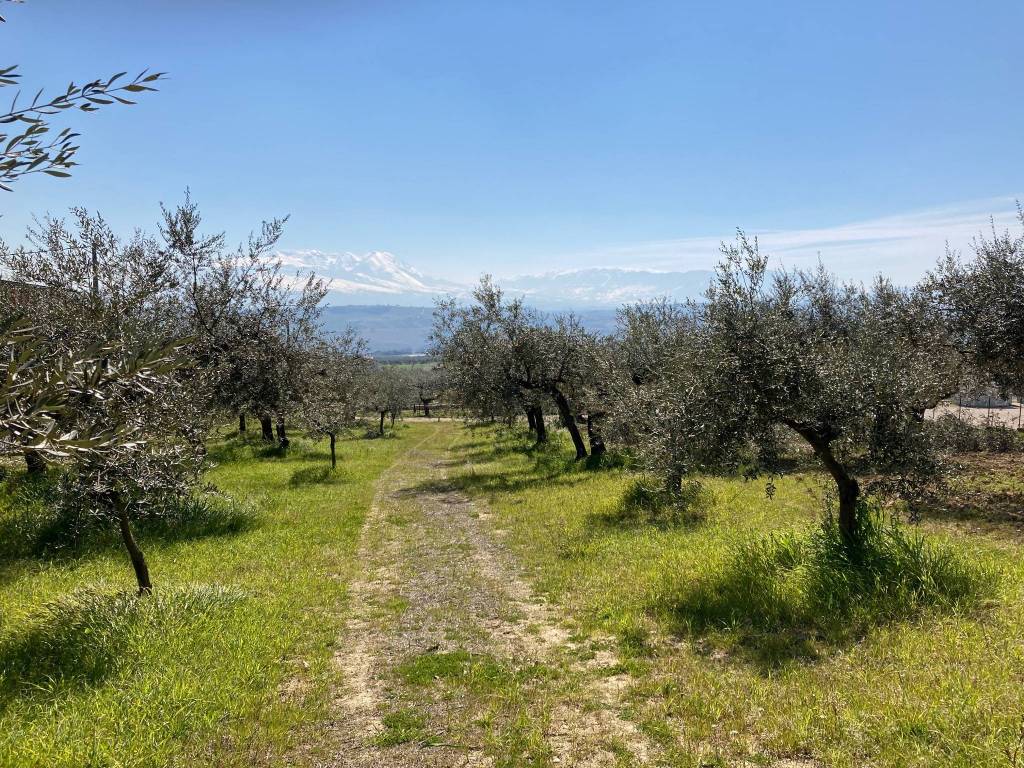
533	136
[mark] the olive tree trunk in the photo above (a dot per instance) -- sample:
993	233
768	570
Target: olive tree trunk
334	455
597	446
282	435
241	423
539	427
569	420
380	430
267	428
134	552
846	483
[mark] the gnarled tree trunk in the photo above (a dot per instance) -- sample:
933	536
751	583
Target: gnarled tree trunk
846	484
380	431
241	423
282	435
569	420
334	456
267	428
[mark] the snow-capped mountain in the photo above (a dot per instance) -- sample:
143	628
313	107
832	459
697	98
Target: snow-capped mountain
380	277
376	277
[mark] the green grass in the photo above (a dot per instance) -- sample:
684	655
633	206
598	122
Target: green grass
403	726
227	660
852	668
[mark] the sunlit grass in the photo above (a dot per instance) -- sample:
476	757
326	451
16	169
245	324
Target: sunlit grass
227	659
917	679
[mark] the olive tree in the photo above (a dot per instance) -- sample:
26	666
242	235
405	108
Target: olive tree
461	339
841	365
428	383
337	370
113	394
390	389
657	390
499	349
84	286
150	458
981	301
251	324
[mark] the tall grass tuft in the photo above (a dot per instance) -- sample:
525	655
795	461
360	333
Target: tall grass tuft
644	500
83	637
817	582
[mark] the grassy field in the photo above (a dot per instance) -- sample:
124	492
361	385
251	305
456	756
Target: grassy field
228	658
229	662
928	685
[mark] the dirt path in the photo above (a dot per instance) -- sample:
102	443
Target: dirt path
449	659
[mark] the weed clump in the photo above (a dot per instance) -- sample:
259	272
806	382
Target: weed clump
818	582
646	501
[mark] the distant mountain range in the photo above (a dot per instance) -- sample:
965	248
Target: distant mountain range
389	303
379	277
372	278
607	286
396	330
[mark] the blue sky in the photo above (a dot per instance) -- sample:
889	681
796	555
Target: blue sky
529	136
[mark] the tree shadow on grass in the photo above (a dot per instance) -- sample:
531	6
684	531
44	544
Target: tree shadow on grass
235	449
84	638
319	474
799	597
35	525
644	504
483	483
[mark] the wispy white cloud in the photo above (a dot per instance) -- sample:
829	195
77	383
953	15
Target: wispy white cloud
903	246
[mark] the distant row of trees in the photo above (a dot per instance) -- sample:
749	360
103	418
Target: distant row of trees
698	386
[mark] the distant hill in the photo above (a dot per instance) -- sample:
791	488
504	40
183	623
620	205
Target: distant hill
394	330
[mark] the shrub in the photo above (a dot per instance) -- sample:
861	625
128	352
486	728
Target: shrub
998	439
956	436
